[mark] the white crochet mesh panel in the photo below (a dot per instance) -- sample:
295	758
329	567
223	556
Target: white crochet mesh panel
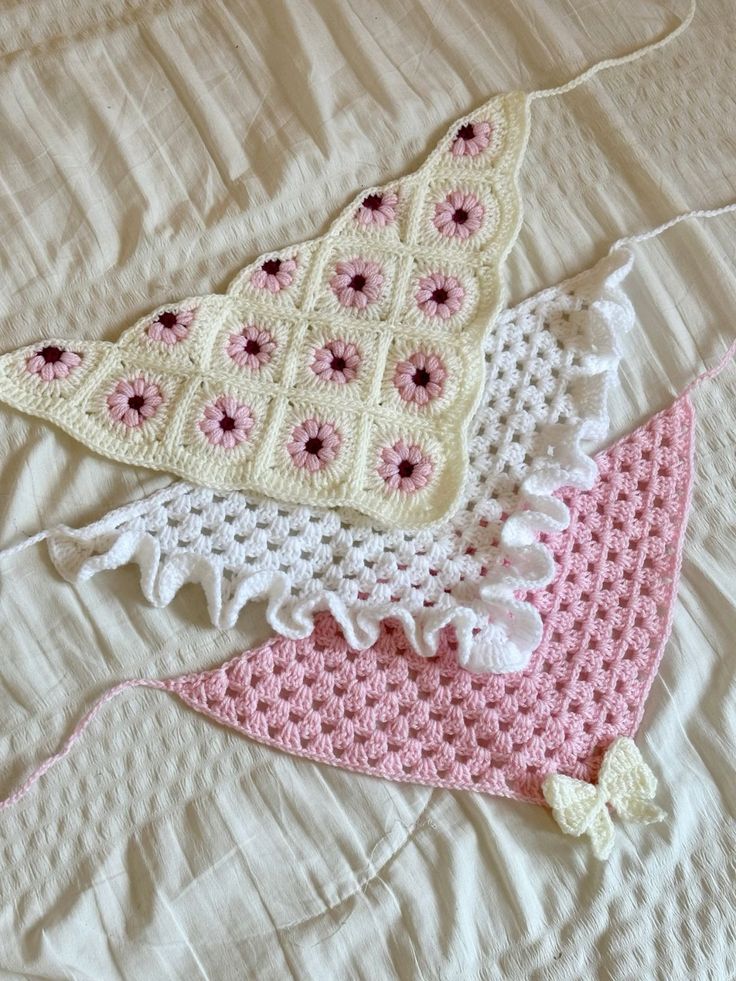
548	365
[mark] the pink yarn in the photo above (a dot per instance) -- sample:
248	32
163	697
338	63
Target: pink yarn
439	295
20	792
386	711
274	275
357	282
314	444
338	362
134	401
460	215
472	139
252	348
226	422
53	362
404	467
420	378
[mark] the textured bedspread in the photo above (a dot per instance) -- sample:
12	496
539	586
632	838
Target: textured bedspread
148	151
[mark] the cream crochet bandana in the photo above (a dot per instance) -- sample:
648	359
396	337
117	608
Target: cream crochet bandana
342	372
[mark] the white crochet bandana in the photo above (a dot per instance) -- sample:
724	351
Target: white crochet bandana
548	364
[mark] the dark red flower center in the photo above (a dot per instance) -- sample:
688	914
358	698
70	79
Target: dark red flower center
460	216
421	377
167	319
51	354
406	468
358	282
373	202
338	364
440	295
136	402
227	423
271	266
313	445
252	347
466	132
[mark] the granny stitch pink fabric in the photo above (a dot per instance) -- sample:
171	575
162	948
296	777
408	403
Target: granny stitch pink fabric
388	712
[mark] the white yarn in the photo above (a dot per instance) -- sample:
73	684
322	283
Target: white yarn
549	362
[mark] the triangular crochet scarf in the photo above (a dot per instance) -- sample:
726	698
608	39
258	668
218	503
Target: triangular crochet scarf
340	372
606	616
541	734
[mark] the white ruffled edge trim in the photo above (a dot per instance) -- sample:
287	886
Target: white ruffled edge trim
502	644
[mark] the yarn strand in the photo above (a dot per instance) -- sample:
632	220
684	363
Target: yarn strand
6	553
709	373
20	792
619	59
671	222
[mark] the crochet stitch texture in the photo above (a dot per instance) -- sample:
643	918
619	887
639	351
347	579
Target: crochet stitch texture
607	616
340	372
385	712
548	364
625	783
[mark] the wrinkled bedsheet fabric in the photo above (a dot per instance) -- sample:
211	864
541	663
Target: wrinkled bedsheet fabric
146	148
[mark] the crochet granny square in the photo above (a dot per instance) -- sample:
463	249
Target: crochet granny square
341	372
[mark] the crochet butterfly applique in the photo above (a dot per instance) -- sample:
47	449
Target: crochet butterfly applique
340	372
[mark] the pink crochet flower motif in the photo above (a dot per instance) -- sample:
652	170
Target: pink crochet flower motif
171	326
274	275
357	282
314	444
337	361
226	422
460	215
404	467
439	295
377	209
53	362
472	139
252	348
134	401
420	378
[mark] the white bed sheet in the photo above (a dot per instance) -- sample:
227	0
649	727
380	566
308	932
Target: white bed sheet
147	150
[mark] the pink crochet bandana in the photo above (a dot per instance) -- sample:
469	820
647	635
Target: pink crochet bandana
393	714
387	712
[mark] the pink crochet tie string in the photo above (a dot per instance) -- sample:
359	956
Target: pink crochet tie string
76	734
